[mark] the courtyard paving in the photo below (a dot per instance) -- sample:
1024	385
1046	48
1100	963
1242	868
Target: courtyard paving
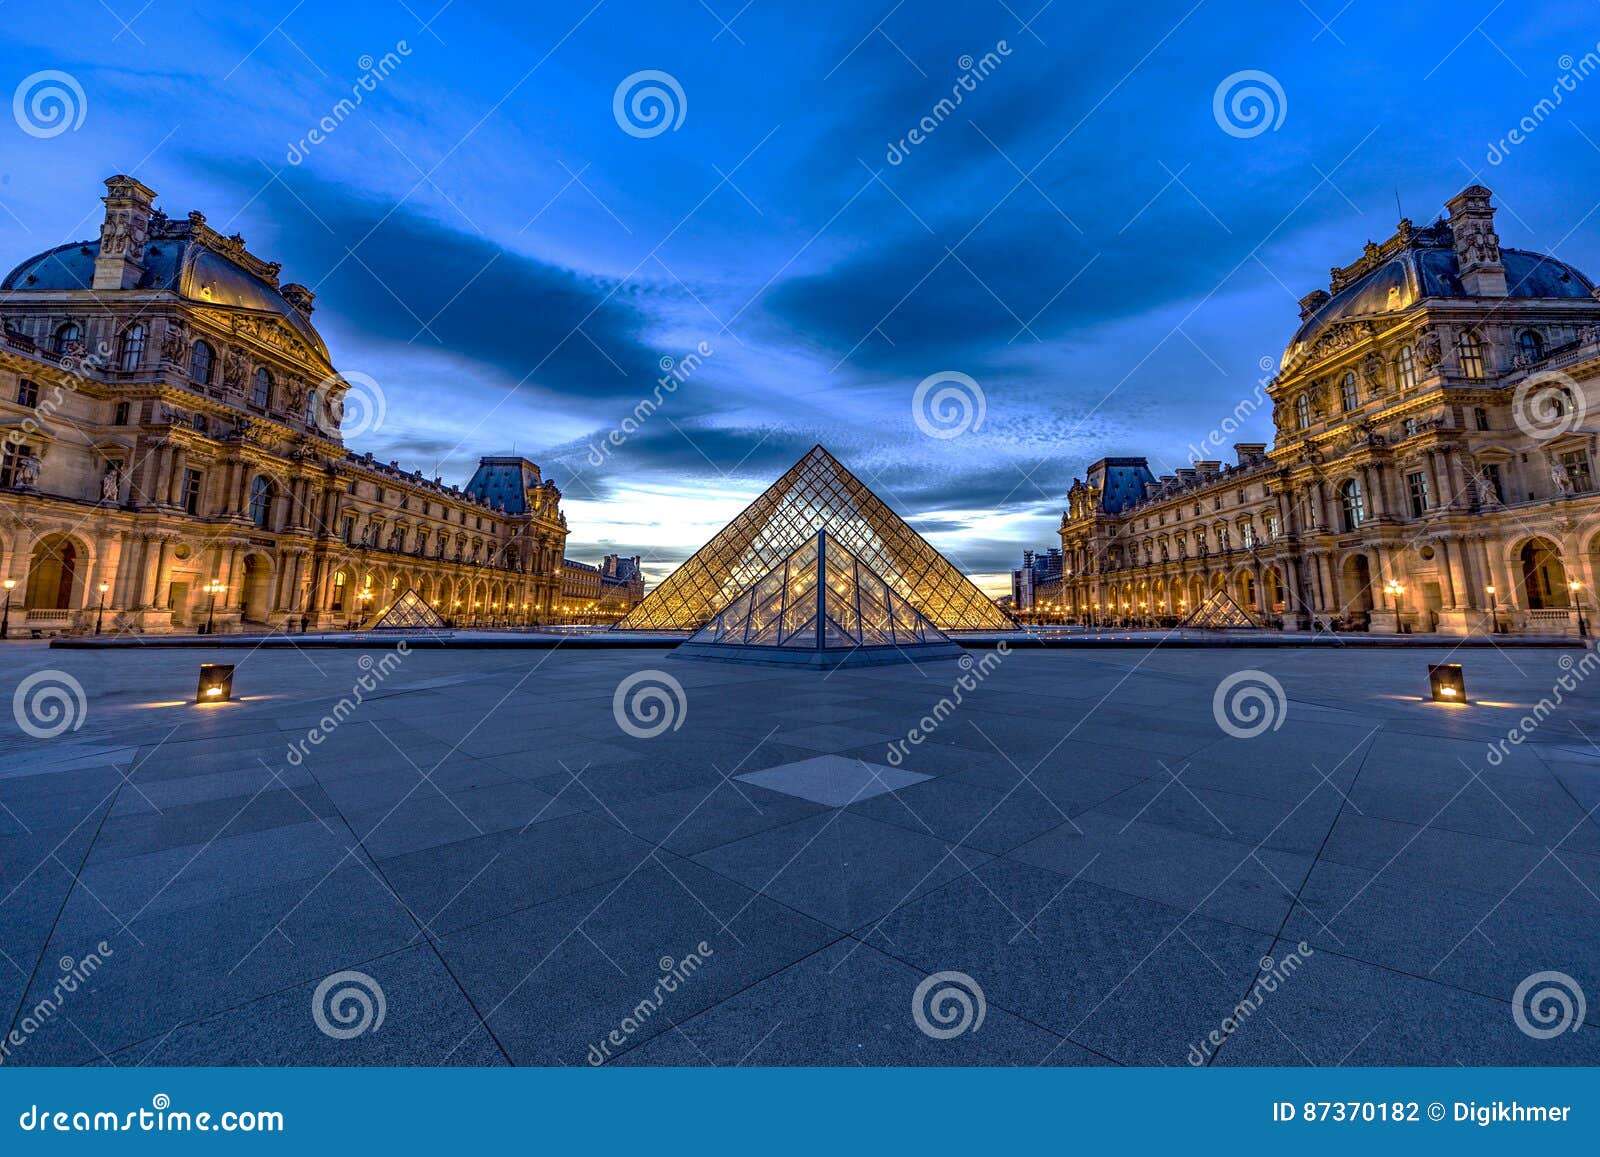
531	873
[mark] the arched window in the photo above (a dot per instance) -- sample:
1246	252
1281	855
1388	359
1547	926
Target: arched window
1469	351
67	333
339	579
131	352
1348	398
261	390
1405	368
311	409
261	502
1531	345
1302	412
200	359
1355	506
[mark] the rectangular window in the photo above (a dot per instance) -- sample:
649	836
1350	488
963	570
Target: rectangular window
27	393
119	417
1417	487
191	491
349	530
11	461
1482	417
1576	463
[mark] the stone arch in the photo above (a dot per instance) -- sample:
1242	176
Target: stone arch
255	588
58	573
1541	574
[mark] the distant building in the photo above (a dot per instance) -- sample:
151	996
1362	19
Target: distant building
1433	467
1037	583
607	591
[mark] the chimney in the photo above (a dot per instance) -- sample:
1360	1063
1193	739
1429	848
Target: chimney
120	262
1477	244
300	297
1249	452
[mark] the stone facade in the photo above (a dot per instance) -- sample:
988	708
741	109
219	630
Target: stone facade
172	456
1433	467
601	593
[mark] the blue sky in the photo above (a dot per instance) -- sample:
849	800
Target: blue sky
1081	237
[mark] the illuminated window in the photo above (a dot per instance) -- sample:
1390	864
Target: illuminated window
1302	412
1469	351
1348	398
1405	368
131	351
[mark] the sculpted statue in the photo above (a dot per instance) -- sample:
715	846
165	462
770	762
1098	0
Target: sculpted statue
1372	373
173	345
233	371
1483	490
1429	350
110	483
26	475
1561	479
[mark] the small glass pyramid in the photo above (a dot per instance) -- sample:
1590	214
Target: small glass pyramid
816	494
409	612
821	606
1219	612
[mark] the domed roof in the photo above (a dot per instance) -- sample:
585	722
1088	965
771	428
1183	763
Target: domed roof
184	266
1420	271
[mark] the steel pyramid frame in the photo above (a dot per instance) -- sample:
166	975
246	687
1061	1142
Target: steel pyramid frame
1220	612
822	607
409	612
816	494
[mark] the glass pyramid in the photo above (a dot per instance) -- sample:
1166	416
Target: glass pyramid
1220	612
409	612
821	606
816	494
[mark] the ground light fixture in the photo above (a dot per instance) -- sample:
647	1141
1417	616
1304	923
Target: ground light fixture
216	683
1447	683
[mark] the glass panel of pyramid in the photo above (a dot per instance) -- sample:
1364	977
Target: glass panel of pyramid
855	607
817	494
1220	612
409	612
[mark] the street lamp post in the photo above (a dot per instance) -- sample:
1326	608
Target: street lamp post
213	588
1576	588
100	614
1394	588
5	615
1494	610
